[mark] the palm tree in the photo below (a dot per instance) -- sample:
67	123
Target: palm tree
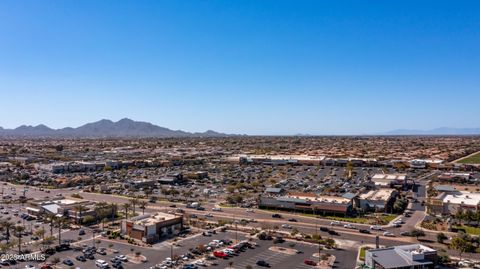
51	219
5	247
134	202
8	226
61	221
143	205
40	233
113	208
18	233
126	207
79	209
99	210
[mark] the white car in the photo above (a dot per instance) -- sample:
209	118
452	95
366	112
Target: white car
123	258
376	227
228	251
28	266
286	226
200	262
216	209
388	234
101	263
335	223
349	226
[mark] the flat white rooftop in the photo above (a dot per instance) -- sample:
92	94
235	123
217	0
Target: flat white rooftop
462	197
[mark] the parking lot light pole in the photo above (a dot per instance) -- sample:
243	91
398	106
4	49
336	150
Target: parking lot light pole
93	237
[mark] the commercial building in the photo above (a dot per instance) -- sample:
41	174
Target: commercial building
415	256
172	179
308	202
140	183
377	200
62	208
450	202
454	177
389	180
150	228
280	159
424	163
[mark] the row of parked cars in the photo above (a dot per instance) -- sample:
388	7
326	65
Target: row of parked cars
183	260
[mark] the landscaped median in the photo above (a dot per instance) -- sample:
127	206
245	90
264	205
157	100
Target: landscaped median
375	218
379	219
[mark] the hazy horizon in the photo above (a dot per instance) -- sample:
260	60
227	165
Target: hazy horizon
242	67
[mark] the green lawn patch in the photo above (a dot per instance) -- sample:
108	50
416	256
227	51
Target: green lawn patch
362	253
469	229
474	159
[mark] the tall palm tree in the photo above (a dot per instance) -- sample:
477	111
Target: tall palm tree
126	207
18	233
79	209
8	226
61	221
113	208
51	219
143	205
99	210
134	202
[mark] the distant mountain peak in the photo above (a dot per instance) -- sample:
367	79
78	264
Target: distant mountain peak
436	131
105	128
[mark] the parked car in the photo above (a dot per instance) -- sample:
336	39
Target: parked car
68	262
310	262
219	254
101	263
263	263
81	258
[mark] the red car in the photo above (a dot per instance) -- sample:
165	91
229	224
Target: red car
219	254
310	262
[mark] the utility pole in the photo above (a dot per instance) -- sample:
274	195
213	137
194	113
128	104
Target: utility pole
93	237
171	251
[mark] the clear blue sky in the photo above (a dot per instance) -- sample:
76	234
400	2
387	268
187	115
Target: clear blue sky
255	67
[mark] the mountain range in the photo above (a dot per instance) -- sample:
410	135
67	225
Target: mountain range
105	128
130	128
436	131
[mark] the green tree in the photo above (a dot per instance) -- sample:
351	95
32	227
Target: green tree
460	244
441	237
417	233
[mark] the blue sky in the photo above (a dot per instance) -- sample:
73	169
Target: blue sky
255	67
